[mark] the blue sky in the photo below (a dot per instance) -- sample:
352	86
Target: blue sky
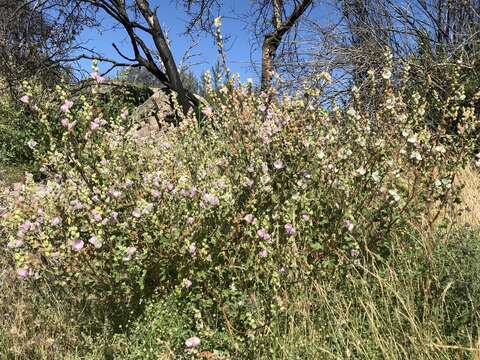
173	20
242	50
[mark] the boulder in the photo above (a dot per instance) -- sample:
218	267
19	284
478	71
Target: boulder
149	116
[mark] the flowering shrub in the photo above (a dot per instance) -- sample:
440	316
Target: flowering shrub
224	215
26	129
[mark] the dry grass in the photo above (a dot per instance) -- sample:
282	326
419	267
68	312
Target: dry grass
470	180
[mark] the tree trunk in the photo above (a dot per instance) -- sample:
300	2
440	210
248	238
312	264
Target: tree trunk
271	41
269	50
165	54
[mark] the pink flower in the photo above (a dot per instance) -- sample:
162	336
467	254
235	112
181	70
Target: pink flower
27	225
66	124
155	193
136	213
15	244
262	233
249	218
289	229
193	249
207	111
305	217
23	272
169	186
96	216
263	253
190	220
25	99
211	199
187	284
278	164
99	79
56	221
77	245
77	205
115	193
67	105
131	250
192	342
95	242
95	124
193	192
353	253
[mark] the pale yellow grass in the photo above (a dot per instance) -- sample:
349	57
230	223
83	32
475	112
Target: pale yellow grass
470	180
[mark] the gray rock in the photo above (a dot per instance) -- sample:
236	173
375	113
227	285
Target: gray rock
150	115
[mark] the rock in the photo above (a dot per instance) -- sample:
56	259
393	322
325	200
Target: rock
150	115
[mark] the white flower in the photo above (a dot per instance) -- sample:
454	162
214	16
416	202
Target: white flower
351	112
387	74
447	183
249	218
440	149
361	171
412	139
349	225
376	176
32	144
278	164
124	114
129	252
394	194
416	155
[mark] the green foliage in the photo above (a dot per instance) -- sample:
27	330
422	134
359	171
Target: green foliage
139	76
27	132
214	225
16	129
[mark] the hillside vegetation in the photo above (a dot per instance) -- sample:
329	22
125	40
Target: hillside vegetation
263	227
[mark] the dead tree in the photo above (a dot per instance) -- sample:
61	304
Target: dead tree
282	23
140	20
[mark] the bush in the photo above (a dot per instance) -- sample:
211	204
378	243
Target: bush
227	216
